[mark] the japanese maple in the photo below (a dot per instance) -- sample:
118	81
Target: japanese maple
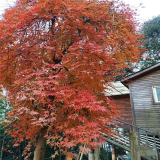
55	57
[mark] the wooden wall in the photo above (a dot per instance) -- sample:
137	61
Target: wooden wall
126	112
146	112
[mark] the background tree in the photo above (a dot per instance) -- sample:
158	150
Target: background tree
3	109
56	56
5	140
151	31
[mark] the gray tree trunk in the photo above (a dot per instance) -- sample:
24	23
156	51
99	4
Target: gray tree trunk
91	155
97	157
2	148
39	153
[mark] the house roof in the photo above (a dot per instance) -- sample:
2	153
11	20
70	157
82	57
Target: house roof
141	73
116	89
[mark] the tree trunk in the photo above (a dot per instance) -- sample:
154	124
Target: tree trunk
96	154
113	153
80	155
91	155
2	148
39	153
19	152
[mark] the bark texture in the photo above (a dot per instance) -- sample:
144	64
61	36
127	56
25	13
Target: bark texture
91	155
39	153
113	153
97	157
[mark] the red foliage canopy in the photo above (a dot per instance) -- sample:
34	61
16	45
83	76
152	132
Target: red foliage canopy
55	57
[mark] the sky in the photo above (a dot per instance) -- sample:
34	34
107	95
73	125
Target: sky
147	9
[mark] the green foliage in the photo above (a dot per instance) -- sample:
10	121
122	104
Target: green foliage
127	71
4	107
120	151
151	31
105	153
5	140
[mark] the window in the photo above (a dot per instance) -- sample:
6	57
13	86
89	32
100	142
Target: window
156	94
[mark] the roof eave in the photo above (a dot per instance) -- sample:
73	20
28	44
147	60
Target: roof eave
140	73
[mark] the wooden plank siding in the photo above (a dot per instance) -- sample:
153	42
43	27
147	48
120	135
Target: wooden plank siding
146	112
126	112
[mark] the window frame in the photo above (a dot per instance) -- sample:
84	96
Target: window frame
155	97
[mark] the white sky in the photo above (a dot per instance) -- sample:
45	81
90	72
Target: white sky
5	4
147	8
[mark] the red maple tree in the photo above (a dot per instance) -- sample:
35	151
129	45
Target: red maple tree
55	57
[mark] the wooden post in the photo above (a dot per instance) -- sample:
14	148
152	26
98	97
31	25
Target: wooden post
113	152
134	147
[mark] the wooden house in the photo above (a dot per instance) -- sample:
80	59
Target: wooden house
120	95
144	87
